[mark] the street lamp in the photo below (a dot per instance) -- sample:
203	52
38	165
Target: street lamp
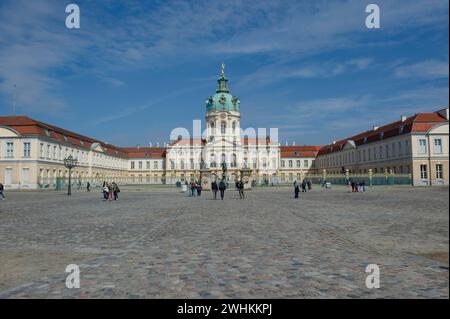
70	162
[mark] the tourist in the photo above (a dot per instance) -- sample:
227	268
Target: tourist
105	191
193	189
222	188
110	191
88	187
309	184
363	186
116	190
296	189
240	188
214	189
304	186
199	189
2	189
353	186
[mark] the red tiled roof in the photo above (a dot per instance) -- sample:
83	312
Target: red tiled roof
300	151
141	152
420	122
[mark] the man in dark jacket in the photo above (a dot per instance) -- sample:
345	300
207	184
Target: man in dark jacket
222	188
214	188
240	188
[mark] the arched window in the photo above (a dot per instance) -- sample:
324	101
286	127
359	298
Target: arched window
233	160
182	164
223	127
223	158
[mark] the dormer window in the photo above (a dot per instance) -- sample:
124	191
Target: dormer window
65	138
400	129
381	135
365	140
47	132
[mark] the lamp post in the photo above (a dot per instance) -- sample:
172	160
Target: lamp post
70	162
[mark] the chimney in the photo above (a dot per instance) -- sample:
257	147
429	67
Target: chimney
443	113
403	118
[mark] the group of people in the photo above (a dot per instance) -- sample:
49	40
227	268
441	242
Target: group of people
193	189
357	187
305	186
110	191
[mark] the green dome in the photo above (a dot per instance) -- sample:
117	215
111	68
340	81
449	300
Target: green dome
222	100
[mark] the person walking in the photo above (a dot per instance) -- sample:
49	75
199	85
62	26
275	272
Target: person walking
199	189
2	189
88	187
105	190
296	189
193	189
309	184
222	188
240	188
304	186
214	189
116	190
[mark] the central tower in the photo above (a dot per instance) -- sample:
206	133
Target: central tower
223	113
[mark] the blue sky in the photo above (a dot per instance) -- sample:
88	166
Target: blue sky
137	69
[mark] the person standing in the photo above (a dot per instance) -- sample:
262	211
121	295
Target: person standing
116	190
199	189
222	188
309	184
105	190
240	187
193	189
304	186
2	189
214	189
296	189
88	187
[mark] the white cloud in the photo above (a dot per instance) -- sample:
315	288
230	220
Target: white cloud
429	69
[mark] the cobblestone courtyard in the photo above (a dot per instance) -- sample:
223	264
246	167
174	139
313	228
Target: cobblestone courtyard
157	243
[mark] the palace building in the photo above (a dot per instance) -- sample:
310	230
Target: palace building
32	153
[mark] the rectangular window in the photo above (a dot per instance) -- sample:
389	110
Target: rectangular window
290	164
393	149
313	164
306	162
283	165
439	171
26	149
41	150
155	165
147	164
387	151
48	150
140	165
192	163
422	146
374	153
9	149
438	146
298	163
381	152
54	152
400	151
423	172
132	165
